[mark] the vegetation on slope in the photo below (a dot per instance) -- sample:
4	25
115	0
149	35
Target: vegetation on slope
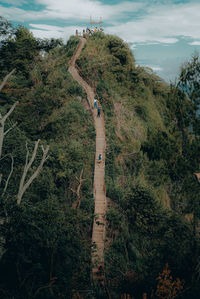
152	151
150	160
46	241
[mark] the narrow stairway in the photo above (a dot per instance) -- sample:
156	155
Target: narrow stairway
98	234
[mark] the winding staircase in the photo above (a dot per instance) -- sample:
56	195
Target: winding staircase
98	233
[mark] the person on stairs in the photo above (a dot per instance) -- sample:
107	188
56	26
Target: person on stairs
95	104
100	269
99	111
100	158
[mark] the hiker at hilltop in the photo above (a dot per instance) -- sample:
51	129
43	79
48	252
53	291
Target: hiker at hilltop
95	104
99	111
88	31
95	30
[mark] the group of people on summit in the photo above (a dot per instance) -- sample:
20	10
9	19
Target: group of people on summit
91	31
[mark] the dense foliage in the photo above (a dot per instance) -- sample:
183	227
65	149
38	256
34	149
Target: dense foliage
45	242
153	150
153	145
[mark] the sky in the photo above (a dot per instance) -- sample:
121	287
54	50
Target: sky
162	34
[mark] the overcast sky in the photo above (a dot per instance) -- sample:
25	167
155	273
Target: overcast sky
162	33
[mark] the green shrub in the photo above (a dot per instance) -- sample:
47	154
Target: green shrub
141	112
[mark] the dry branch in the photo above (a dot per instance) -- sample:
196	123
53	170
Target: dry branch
80	180
6	79
24	185
197	174
9	176
2	123
47	286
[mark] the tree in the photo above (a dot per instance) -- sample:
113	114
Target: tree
189	83
167	287
48	44
18	52
3	119
6	28
23	185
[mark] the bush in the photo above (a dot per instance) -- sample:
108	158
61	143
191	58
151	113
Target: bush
141	112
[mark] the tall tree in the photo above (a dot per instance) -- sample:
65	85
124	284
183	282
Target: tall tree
189	83
6	28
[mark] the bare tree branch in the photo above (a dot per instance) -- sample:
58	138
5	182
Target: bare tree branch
77	203
8	179
6	79
2	125
9	112
197	174
47	286
24	186
34	154
28	164
14	125
27	154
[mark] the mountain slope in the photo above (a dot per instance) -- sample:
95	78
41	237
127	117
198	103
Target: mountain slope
148	175
151	155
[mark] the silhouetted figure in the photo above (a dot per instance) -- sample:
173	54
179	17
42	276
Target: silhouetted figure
95	104
99	111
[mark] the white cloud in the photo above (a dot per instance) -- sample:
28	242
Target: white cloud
47	27
162	24
150	68
79	10
156	68
47	31
195	43
14	2
133	46
159	21
20	15
83	9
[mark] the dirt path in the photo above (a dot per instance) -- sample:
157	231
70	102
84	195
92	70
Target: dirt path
98	234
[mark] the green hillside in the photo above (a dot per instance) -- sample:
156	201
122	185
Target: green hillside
153	146
150	160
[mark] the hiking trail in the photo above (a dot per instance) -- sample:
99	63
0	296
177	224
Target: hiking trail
99	190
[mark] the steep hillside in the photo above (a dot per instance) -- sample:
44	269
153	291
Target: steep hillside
149	169
133	100
47	239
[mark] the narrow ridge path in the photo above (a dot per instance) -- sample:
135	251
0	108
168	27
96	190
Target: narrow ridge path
98	233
